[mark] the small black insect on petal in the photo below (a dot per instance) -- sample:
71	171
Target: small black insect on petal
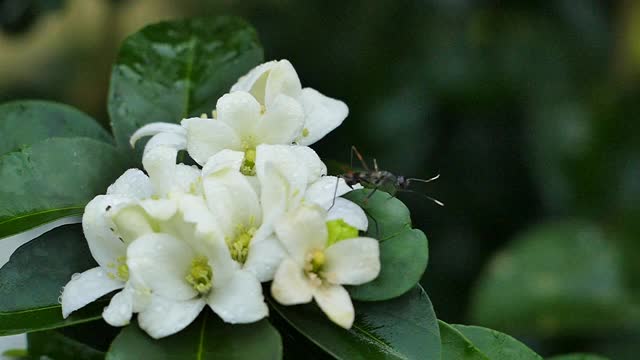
108	208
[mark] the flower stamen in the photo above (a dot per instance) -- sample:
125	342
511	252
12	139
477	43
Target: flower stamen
200	276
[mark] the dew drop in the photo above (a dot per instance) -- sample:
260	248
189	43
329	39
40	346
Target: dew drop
76	276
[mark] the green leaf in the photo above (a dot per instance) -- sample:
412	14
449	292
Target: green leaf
16	353
56	345
206	338
25	123
404	252
456	346
53	179
577	357
174	70
401	328
32	280
555	278
496	345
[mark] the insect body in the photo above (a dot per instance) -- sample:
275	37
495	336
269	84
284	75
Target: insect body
377	179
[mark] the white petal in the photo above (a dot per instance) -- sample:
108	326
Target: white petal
352	261
299	164
130	222
133	183
311	161
278	195
186	179
86	288
290	285
175	141
240	110
325	189
225	159
302	231
335	302
281	123
164	317
99	230
281	80
120	308
350	212
323	114
205	137
160	209
232	200
255	80
156	128
239	300
162	262
160	163
264	257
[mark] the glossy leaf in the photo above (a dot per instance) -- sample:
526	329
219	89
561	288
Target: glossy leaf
401	328
173	70
556	278
206	338
404	252
577	357
455	346
28	122
53	179
32	280
56	345
496	345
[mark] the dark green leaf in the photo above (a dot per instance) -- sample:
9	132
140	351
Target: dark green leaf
55	345
496	345
401	328
25	123
32	280
577	357
456	346
173	70
53	179
404	252
556	278
206	338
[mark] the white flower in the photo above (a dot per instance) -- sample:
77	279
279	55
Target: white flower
235	205
269	81
295	175
108	247
320	262
186	265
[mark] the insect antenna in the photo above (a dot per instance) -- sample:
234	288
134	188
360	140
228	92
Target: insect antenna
423	180
438	202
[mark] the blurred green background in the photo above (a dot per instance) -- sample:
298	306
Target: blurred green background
527	109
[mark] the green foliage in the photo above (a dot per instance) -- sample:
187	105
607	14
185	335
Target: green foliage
56	345
32	280
24	123
53	179
577	357
404	251
174	70
206	338
557	278
401	328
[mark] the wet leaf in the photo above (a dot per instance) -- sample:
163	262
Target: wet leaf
178	69
401	328
404	252
206	338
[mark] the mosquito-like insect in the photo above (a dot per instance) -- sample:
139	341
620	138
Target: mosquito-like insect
383	180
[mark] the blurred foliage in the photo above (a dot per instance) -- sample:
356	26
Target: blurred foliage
528	109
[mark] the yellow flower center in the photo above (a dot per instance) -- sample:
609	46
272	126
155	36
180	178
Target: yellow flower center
305	132
200	276
239	245
314	262
120	269
339	230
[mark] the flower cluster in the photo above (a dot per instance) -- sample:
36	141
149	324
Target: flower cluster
259	208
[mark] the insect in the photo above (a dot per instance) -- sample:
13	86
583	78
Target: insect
383	180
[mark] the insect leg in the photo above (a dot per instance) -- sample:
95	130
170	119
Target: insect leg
355	151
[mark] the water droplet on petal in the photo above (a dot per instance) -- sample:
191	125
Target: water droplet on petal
76	276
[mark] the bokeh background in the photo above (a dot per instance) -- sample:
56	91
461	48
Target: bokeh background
527	109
